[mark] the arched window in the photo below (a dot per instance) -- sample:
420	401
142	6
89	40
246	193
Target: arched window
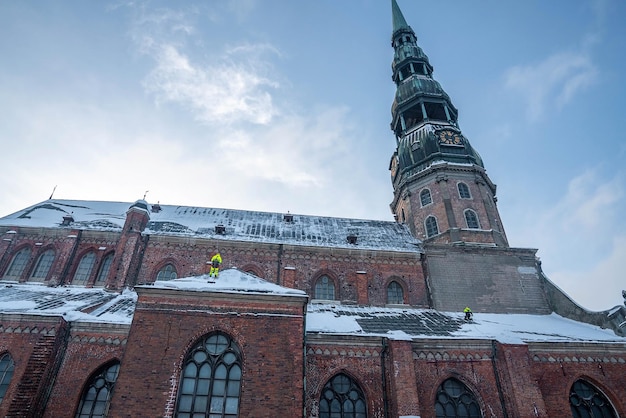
325	288
6	373
43	266
454	399
83	271
342	398
587	401
425	197
395	294
168	272
211	379
464	192
103	272
18	264
471	219
432	228
96	397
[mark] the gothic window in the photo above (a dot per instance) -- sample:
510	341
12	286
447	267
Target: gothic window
6	373
455	400
43	266
587	401
464	192
395	294
83	271
18	264
168	272
103	272
471	219
96	397
432	228
425	197
325	288
211	379
342	398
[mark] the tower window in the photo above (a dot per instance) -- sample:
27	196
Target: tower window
471	219
168	272
395	294
435	111
432	228
464	192
342	398
43	266
425	197
83	271
454	399
413	116
325	288
586	401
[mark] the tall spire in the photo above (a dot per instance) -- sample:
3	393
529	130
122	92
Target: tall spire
398	18
431	147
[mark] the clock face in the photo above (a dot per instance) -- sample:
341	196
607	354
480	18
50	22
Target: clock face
450	138
394	166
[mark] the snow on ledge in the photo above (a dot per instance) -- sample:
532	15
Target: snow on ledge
230	280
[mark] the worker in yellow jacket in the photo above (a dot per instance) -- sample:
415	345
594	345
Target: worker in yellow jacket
216	261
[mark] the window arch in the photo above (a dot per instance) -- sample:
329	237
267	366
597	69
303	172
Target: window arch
18	264
96	397
454	399
432	228
471	219
587	401
325	288
211	379
395	293
167	272
464	192
342	398
103	272
42	268
425	197
83	271
7	366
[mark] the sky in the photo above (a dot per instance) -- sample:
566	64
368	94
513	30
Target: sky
277	105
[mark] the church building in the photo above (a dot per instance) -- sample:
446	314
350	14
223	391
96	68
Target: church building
109	309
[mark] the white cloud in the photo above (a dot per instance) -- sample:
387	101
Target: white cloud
582	238
552	82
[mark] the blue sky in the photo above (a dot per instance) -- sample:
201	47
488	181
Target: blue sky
285	106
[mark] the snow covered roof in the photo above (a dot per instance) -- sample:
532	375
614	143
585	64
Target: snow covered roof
239	225
79	304
408	323
229	281
73	303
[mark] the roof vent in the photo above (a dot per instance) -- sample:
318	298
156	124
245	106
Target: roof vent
156	208
288	217
220	229
67	219
351	239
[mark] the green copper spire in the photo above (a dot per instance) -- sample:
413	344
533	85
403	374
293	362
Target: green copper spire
424	119
398	18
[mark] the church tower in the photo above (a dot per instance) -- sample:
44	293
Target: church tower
441	189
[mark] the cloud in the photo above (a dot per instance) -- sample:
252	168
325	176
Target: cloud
228	92
554	81
582	238
582	285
